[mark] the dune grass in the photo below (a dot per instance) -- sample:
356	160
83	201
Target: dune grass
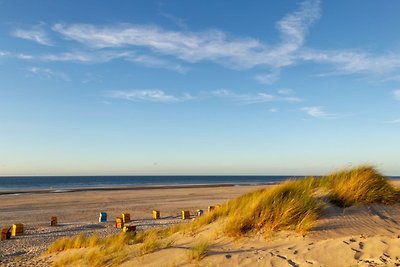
111	250
361	185
198	251
292	205
289	205
91	251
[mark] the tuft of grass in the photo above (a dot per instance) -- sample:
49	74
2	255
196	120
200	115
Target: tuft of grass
362	185
79	241
155	239
84	250
286	206
112	250
198	250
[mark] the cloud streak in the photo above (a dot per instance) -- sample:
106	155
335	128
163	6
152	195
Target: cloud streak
210	45
46	73
396	94
353	62
147	96
163	97
96	57
157	47
393	121
317	112
243	98
35	34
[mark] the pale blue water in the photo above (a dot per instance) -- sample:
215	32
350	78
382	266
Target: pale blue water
57	182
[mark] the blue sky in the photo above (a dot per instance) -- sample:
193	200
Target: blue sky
198	87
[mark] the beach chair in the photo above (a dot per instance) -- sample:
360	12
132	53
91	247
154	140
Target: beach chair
185	215
53	221
130	228
17	229
156	214
103	217
5	233
126	217
199	213
119	223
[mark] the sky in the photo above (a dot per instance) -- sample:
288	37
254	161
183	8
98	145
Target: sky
198	87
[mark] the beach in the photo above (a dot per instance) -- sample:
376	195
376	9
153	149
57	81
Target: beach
365	235
78	212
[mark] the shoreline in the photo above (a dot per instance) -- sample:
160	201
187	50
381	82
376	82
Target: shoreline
128	187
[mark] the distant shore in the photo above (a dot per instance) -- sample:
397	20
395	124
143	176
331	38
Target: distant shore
121	188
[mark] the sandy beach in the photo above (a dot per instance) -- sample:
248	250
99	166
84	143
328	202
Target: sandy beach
363	236
78	212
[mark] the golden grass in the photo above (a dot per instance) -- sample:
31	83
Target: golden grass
84	250
286	206
198	250
362	185
79	241
91	251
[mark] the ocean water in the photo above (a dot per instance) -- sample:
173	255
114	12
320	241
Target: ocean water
59	182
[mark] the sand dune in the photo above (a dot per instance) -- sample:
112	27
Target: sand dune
357	236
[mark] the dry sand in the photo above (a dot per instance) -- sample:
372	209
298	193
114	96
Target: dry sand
356	236
78	212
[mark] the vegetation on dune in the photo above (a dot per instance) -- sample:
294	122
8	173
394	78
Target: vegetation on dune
362	185
98	252
292	205
286	206
198	250
111	250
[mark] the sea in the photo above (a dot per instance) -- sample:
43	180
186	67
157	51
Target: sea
17	183
75	182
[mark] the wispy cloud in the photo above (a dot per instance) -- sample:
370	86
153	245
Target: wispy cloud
36	34
175	49
396	94
317	112
4	53
243	98
46	73
210	45
181	23
286	91
268	78
250	98
147	96
392	121
95	57
353	62
227	95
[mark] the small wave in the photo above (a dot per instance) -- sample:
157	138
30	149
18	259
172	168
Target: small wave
61	191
